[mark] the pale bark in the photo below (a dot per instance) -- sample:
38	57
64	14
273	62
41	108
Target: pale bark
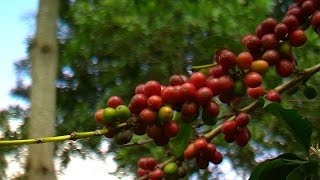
44	60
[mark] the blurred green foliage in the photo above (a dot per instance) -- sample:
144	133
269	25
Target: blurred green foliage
107	47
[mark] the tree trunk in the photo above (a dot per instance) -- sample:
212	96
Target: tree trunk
44	60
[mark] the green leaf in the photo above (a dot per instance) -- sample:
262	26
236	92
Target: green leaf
304	171
181	141
299	126
277	168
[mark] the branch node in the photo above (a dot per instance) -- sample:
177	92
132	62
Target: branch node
73	136
97	133
39	140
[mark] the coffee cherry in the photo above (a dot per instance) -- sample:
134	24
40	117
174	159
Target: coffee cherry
260	31
109	115
170	94
170	168
242	136
198	80
188	91
161	141
139	127
139	89
229	127
226	97
148	115
122	112
156	174
297	38
171	129
284	68
273	96
138	103
281	31
252	42
226	83
154	131
308	7
255	92
228	138
214	84
310	92
244	60
216	71
200	144
211	109
315	19
176	80
203	95
239	88
99	116
152	88
216	158
291	22
269	41
123	137
154	102
271	56
150	163
269	24
190	152
165	114
142	172
202	161
190	108
252	79
114	101
285	49
227	59
242	119
260	66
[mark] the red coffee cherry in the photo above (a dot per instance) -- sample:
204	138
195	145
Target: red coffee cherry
271	56
142	172
114	101
281	31
138	102
216	158
200	144
203	95
242	119
151	163
291	22
284	68
252	79
139	89
188	91
227	59
154	131
154	102
273	96
190	108
315	19
198	79
152	88
202	161
255	92
211	109
171	129
214	84
226	83
229	127
297	38
217	71
269	24
177	80
244	60
252	42
148	115
190	151
269	41
156	174
242	136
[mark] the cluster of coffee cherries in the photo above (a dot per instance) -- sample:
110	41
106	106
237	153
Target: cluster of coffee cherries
147	166
204	153
151	110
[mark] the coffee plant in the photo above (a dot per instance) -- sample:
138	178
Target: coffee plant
168	113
